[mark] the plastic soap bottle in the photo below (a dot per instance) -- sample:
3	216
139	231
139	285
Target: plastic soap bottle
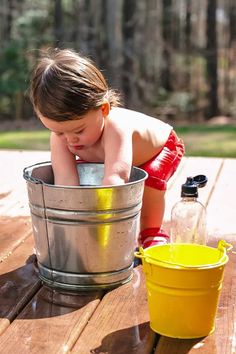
188	216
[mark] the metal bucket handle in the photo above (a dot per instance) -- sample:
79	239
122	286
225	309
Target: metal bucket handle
28	177
223	247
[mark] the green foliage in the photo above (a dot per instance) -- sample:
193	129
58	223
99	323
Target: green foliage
13	73
30	31
183	101
13	69
176	103
33	30
31	24
176	49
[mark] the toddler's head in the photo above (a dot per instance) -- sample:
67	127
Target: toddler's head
66	85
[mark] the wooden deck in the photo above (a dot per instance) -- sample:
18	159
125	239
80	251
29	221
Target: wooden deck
34	319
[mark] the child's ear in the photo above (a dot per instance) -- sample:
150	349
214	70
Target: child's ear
105	109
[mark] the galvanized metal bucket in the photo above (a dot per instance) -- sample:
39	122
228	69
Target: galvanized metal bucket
84	236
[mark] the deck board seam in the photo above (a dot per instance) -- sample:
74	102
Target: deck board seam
214	184
27	298
19	243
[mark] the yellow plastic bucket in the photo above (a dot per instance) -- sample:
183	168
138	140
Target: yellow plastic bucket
183	285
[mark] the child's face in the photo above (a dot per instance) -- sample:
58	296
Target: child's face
80	133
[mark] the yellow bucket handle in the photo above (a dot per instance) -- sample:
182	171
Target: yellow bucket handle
223	247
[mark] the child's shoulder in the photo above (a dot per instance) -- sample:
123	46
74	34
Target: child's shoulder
124	112
142	127
129	116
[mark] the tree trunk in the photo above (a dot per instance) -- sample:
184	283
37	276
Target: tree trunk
8	22
19	101
232	22
188	32
58	24
128	30
230	79
188	28
166	53
211	60
149	58
114	38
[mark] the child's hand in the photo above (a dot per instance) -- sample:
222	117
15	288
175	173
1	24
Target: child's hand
114	180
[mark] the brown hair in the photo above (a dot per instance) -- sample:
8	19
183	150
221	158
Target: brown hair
66	85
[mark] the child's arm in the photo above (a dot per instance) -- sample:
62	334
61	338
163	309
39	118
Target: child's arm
63	163
118	154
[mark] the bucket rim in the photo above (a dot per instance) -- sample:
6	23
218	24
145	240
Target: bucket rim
29	178
222	247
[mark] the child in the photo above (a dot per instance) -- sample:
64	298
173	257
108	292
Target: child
71	98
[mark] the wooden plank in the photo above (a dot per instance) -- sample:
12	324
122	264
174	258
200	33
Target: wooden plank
13	231
50	323
221	209
121	322
18	282
16	203
57	323
13	163
172	180
12	184
48	335
176	346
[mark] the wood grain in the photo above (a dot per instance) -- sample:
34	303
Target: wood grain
50	323
13	231
38	320
120	324
18	282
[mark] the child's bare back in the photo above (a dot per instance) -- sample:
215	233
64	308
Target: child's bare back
148	134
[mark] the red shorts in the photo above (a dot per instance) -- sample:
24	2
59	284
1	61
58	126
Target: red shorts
162	166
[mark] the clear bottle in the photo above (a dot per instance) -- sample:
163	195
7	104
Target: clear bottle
188	216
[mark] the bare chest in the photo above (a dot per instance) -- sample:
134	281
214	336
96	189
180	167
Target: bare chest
92	154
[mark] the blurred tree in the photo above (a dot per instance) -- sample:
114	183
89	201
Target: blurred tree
112	32
188	27
128	31
167	44
58	23
13	71
212	60
9	18
231	49
18	56
232	22
170	58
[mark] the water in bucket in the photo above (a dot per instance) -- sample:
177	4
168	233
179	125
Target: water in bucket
183	286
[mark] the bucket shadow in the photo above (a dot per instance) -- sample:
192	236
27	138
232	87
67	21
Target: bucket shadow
133	340
183	346
49	303
23	295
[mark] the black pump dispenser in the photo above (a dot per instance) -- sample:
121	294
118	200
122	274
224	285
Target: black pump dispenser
190	187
